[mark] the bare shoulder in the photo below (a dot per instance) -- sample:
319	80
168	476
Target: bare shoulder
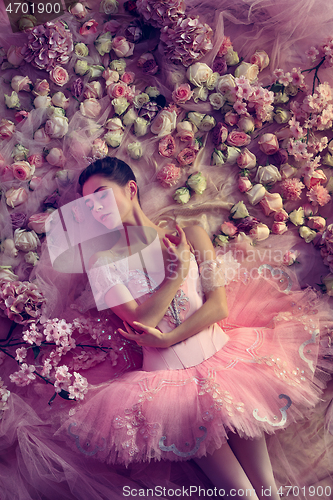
200	242
94	258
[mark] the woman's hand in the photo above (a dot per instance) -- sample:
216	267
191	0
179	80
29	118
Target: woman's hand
150	337
179	251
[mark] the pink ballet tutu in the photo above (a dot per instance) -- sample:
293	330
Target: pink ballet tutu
264	378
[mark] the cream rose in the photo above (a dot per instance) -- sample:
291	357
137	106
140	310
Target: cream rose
109	6
122	47
7	128
260	58
90	108
81	67
247	70
57	127
19	83
268	174
217	100
226	83
7	246
231	57
256	194
297	216
282	115
114	139
42	101
164	123
56	157
60	100
212	81
31	258
259	232
218	158
197	182
114	124
15	197
41	87
195	118
239	211
26	241
37	222
141	99
247	159
182	195
6	274
103	43
268	144
93	90
41	136
81	49
199	73
207	123
134	150
185	131
307	234
200	93
140	127
99	148
118	65
246	124
272	202
12	101
130	117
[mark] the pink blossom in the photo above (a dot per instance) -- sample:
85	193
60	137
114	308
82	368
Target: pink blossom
312	53
59	76
318	195
272	202
128	77
21	115
62	379
21	353
314	177
79	388
25	376
33	336
292	189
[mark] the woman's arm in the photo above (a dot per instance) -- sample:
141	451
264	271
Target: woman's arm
213	310
154	308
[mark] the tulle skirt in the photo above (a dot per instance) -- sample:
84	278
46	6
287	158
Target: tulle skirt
269	374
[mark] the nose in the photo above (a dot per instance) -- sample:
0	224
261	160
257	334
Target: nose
97	206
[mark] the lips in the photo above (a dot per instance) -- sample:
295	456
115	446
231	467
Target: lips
104	216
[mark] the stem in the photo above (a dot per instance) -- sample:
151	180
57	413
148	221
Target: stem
315	69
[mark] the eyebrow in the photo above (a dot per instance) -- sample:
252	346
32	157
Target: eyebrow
96	191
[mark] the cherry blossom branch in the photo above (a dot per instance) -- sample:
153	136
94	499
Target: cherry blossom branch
315	69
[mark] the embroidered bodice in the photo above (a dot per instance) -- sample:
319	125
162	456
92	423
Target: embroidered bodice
128	273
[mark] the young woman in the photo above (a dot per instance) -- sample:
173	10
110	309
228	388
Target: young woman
202	393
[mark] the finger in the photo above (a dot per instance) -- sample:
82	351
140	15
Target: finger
127	326
173	238
181	234
129	336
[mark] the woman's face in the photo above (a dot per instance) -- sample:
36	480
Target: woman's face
110	204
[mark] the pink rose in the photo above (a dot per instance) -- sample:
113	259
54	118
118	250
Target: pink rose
314	177
56	158
269	144
244	184
59	75
231	118
93	90
21	115
261	59
224	47
128	77
14	55
7	129
259	232
271	202
185	131
182	93
238	138
15	197
22	170
167	146
41	87
229	229
37	160
110	76
89	27
35	183
78	10
37	222
19	83
219	134
116	90
122	47
41	136
318	223
281	216
187	156
169	175
309	209
279	227
90	108
290	257
246	159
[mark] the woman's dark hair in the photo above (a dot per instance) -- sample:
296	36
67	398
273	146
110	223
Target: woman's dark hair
112	169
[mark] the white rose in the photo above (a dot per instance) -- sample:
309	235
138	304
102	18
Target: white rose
114	139
268	174
239	211
217	100
103	43
118	65
12	101
281	98
19	83
8	247
246	124
81	67
232	154
59	99
207	123
248	70
141	99
134	149
212	81
6	274
53	111
218	158
95	71
93	90
182	195
287	171
152	91
164	123
282	115
120	105
81	50
195	118
256	194
31	258
307	234
109	6
231	57
197	182
140	127
199	73
297	216
200	93
114	124
26	240
41	136
130	117
42	101
57	127
226	83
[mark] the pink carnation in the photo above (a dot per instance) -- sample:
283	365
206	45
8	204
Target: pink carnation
318	195
292	189
169	175
167	146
